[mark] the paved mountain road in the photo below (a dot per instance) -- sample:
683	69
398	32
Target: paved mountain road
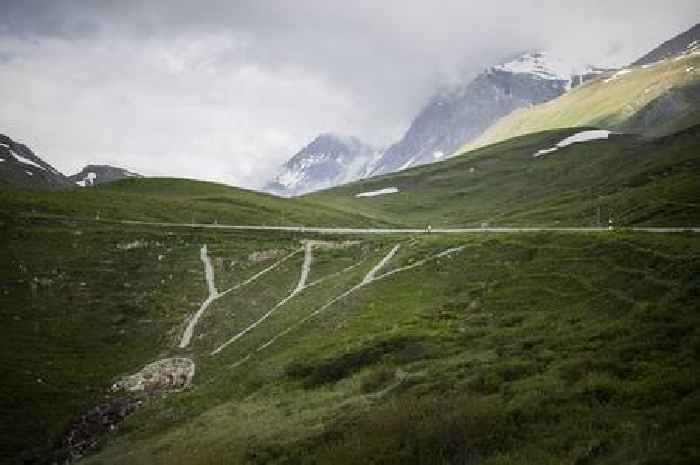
327	230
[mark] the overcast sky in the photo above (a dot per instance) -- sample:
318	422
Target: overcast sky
227	90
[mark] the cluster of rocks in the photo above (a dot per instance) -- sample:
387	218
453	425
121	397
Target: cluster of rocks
166	375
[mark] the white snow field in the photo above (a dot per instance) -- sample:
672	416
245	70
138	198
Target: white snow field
583	136
386	190
26	161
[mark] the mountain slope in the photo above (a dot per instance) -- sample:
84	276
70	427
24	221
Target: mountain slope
453	118
680	44
92	175
632	180
652	99
20	167
327	161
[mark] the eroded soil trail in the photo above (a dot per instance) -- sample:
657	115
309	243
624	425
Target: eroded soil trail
214	294
209	275
301	285
369	278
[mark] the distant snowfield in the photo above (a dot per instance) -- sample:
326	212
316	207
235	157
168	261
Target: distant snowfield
387	190
583	136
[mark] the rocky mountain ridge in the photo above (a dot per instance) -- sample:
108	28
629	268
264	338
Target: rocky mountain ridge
21	168
442	126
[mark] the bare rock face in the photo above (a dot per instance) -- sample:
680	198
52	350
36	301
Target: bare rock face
169	374
93	175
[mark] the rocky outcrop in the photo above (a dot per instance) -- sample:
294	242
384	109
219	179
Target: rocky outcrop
93	175
168	374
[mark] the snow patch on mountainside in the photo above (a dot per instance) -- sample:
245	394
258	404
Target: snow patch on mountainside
583	136
546	66
26	161
386	190
407	165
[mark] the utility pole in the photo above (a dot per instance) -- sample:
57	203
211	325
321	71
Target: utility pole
598	216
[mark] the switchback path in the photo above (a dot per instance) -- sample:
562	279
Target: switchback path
215	295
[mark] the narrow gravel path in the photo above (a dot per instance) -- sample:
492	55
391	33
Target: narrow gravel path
369	278
371	231
214	294
209	275
301	284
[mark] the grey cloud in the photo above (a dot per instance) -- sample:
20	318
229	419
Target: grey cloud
240	85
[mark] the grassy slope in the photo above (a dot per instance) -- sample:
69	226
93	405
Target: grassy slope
611	105
173	200
542	348
98	312
636	181
538	348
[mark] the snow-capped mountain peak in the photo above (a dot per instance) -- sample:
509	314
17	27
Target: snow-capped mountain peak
547	66
330	159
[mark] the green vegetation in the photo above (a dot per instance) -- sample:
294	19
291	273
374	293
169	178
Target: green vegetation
654	100
542	348
546	348
173	200
636	181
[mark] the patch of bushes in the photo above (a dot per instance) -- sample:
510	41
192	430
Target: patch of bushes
377	379
402	350
428	430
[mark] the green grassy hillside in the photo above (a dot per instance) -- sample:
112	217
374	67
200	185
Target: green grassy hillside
172	200
489	348
653	100
634	180
537	348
